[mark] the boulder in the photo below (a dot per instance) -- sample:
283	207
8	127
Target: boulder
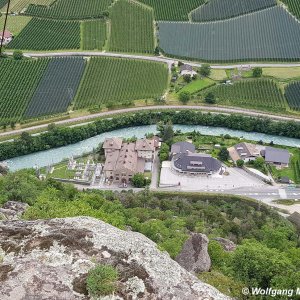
227	245
50	259
194	255
12	210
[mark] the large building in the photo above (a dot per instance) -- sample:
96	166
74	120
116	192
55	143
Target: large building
277	157
185	160
245	152
124	159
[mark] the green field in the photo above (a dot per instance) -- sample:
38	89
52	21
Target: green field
225	9
197	85
292	94
15	24
19	5
71	9
258	94
293	6
93	35
271	34
43	35
19	80
173	10
132	28
113	80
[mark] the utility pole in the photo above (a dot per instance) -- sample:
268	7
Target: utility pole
4	27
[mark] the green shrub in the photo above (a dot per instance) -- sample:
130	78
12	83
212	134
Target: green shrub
102	280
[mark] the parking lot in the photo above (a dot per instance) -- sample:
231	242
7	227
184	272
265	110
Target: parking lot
237	178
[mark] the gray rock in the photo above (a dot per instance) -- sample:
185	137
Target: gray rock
50	259
13	210
194	255
227	245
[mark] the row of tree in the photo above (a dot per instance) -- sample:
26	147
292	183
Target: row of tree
62	136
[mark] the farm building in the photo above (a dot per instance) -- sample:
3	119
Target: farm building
187	70
7	37
245	152
277	157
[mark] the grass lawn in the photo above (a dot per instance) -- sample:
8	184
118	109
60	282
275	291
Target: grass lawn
15	23
198	85
217	74
282	73
61	171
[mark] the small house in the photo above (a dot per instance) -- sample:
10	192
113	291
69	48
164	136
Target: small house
7	37
186	69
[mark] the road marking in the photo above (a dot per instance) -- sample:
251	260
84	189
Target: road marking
282	193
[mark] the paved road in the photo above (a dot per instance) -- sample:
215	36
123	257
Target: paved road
215	109
163	59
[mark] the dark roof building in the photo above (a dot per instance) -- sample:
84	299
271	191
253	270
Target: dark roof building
182	147
186	67
276	156
196	163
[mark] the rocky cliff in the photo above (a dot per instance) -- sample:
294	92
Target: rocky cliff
49	259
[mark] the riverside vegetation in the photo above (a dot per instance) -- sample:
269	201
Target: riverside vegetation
267	254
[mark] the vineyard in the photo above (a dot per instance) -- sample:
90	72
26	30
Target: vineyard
71	9
172	10
235	39
225	9
93	35
292	94
19	80
19	5
258	94
293	6
296	167
133	33
40	34
57	87
113	80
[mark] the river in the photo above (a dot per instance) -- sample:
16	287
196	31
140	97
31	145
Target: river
48	157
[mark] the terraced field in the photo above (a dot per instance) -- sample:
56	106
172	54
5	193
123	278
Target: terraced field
272	34
41	34
19	80
293	6
292	94
93	35
114	80
225	9
57	87
172	10
132	28
259	94
71	9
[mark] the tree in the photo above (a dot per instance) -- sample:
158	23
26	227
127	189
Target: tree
205	70
102	280
138	180
18	55
184	97
187	78
240	163
257	72
224	154
210	98
164	152
156	50
168	133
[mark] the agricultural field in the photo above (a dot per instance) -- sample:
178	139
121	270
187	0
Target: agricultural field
281	73
17	87
57	87
197	85
43	35
292	94
19	5
258	93
117	81
172	10
225	9
235	39
93	35
293	6
133	33
15	24
71	9
3	3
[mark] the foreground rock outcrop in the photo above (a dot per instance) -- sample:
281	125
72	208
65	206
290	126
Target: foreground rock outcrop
194	255
12	210
49	259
